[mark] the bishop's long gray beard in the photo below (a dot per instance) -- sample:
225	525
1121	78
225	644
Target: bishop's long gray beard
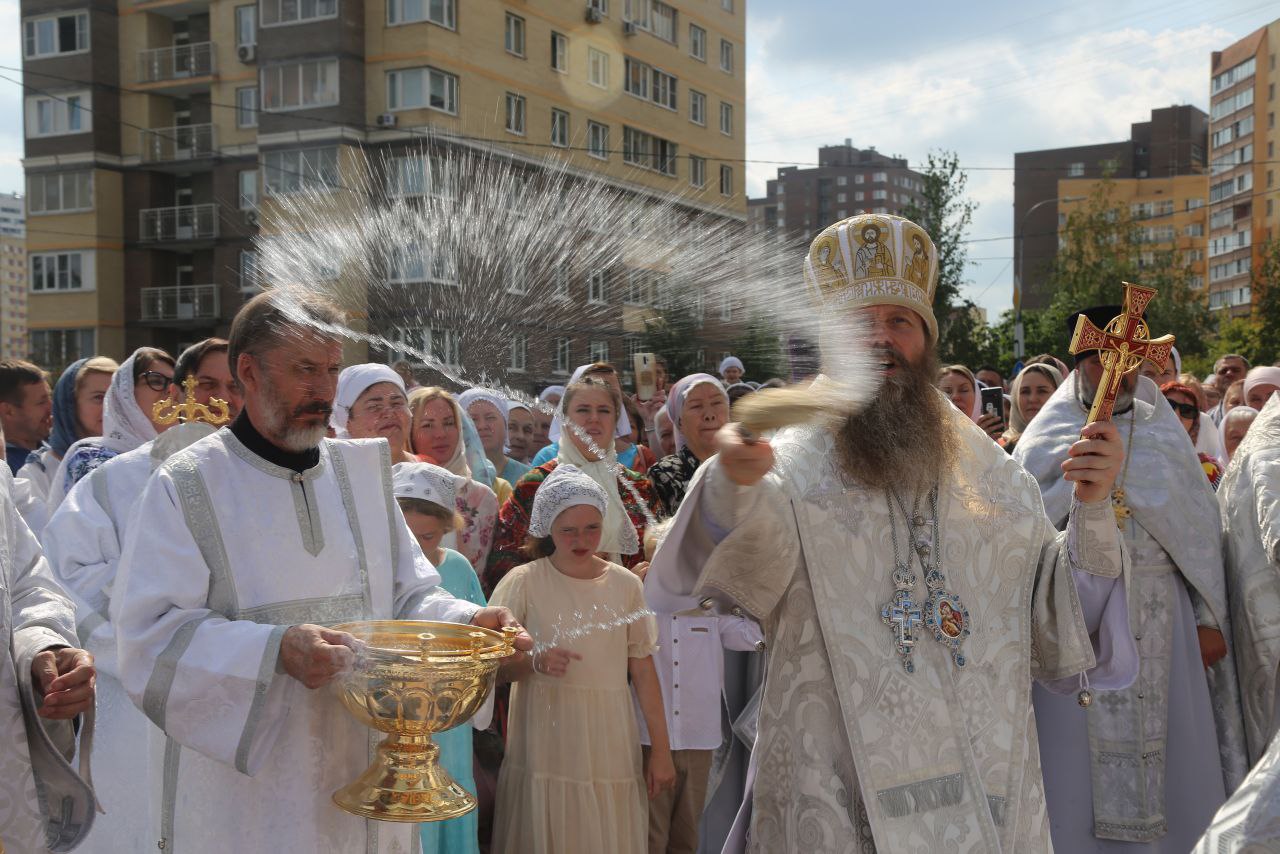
902	439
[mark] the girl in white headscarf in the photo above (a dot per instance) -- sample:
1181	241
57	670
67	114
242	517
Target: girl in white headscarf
1030	390
128	418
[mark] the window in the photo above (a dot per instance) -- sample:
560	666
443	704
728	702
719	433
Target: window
596	292
1222	219
727	5
300	85
249	280
559	52
597	68
414	176
1231	104
879	177
515	114
440	12
517	281
1234	75
599	351
1075	170
1196	229
697	107
513	35
653	16
842	180
55	35
726	119
726	180
697	42
648	151
860	178
415	88
60	115
697	171
645	81
563	357
726	56
842	197
277	13
420	265
1193	204
61	271
247	107
248	179
294	170
860	196
55	348
246	26
59	192
560	282
664	89
519	353
598	140
559	128
879	195
638	287
726	307
445	347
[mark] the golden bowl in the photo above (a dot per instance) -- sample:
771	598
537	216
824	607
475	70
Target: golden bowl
413	679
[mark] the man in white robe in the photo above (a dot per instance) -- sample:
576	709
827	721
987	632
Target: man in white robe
83	541
1142	769
45	683
867	743
244	546
1250	499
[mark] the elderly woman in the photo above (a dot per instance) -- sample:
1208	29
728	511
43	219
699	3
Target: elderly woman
1235	426
440	432
520	431
489	411
77	414
371	403
128	418
1031	388
1182	399
961	388
589	409
1259	384
698	407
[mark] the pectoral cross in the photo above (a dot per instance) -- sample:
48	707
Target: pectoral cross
1124	344
169	411
903	615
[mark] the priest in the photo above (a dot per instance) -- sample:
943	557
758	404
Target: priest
910	586
1142	769
1250	500
249	543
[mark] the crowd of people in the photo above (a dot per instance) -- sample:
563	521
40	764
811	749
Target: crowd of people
190	580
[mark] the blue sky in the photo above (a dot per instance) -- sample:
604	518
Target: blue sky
981	79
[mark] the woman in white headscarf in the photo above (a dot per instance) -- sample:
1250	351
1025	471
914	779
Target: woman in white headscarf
440	432
488	411
590	407
698	407
128	418
1030	390
1235	425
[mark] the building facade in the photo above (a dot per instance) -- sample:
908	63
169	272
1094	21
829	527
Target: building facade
1242	182
1171	143
13	276
159	132
800	202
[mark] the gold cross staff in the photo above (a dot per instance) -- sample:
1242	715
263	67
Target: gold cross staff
1124	344
168	411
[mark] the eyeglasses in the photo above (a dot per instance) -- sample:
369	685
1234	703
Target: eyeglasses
155	380
1186	410
376	408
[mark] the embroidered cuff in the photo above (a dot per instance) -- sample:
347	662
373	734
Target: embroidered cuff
1094	544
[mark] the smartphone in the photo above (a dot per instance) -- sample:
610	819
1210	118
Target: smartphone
645	365
993	401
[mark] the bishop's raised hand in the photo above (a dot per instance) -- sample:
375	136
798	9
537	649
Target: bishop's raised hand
744	459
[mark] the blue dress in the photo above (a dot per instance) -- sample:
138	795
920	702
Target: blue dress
457	835
547	454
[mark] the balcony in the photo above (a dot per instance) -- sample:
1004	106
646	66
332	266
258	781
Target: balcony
174	9
180	304
182	224
179	149
178	69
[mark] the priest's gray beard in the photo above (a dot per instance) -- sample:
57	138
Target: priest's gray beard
903	439
281	430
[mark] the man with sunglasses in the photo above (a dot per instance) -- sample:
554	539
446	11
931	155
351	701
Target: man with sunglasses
1148	764
246	546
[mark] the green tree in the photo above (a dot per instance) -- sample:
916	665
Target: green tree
675	336
945	213
760	349
1266	305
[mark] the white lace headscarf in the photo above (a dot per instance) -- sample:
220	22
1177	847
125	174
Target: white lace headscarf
426	482
124	425
567	486
620	536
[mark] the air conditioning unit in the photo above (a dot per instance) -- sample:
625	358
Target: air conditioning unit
247	53
628	28
594	15
387	120
251	218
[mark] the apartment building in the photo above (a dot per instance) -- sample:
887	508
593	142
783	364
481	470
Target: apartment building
800	202
1242	170
13	277
159	132
1171	143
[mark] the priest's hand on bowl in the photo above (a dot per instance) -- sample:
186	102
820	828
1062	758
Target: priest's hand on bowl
65	679
744	459
314	655
1094	461
497	618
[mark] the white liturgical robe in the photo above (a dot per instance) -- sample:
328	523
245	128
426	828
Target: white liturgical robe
228	550
853	753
